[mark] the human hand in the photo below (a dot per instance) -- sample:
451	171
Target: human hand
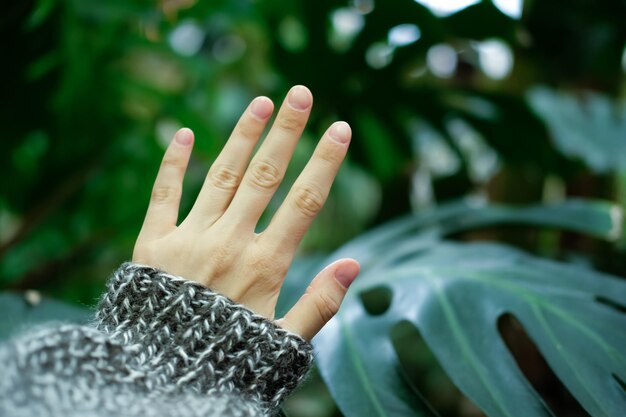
216	245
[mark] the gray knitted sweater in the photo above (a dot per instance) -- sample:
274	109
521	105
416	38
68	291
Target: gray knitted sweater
160	346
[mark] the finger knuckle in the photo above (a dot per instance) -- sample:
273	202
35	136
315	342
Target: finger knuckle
249	129
308	200
267	265
165	194
290	122
282	261
170	161
224	177
325	305
258	261
329	155
264	175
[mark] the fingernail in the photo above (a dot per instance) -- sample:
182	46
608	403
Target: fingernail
261	107
346	273
340	131
184	136
300	98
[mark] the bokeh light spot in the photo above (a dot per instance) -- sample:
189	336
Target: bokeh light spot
187	38
347	21
363	6
511	8
495	58
403	35
165	129
379	55
442	60
444	8
346	24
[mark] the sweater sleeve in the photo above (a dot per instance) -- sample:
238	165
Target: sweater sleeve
160	346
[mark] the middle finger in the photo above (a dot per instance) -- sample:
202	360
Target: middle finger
268	166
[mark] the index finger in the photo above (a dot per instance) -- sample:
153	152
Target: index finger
308	194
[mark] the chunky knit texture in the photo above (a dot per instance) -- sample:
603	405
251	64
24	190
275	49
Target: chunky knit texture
160	346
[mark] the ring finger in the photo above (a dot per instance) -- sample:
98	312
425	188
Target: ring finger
309	192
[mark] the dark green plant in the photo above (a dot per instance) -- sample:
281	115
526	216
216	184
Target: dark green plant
590	127
455	293
390	102
95	87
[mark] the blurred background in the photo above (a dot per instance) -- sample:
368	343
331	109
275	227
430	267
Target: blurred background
516	101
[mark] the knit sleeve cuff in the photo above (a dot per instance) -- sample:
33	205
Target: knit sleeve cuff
195	339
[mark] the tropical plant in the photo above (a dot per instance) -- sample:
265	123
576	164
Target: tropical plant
454	295
590	127
95	89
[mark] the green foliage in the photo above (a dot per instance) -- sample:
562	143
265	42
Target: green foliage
591	128
95	89
20	312
454	294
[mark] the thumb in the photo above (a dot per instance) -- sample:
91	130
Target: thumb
321	300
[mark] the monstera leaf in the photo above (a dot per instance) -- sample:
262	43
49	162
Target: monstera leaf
591	128
454	294
21	312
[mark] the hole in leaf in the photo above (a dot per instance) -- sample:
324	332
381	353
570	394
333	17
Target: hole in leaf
536	370
424	373
621	383
376	300
611	304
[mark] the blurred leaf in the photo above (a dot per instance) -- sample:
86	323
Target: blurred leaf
454	294
20	312
383	155
39	14
591	128
595	218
